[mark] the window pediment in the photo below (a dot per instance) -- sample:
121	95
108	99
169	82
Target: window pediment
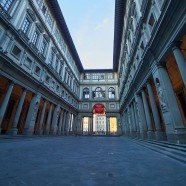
31	14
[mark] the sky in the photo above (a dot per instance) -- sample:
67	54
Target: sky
91	25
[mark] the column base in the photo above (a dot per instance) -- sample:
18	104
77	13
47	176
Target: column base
138	134
46	132
13	131
160	136
40	132
127	134
178	137
151	135
58	133
28	132
133	134
53	132
143	135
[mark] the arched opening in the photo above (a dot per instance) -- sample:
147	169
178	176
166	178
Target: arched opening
98	93
99	120
86	93
111	93
113	125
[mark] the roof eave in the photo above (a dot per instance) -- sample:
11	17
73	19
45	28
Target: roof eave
120	8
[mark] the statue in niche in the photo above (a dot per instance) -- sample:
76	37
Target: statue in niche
35	109
57	113
160	95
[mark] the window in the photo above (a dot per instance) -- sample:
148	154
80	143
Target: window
111	93
86	93
142	45
57	35
86	76
35	37
49	20
110	76
99	93
6	4
101	76
44	46
52	57
56	64
94	76
26	25
47	79
44	9
37	70
28	62
16	51
62	44
39	2
152	20
53	84
63	93
57	88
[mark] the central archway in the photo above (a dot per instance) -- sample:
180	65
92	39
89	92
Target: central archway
99	119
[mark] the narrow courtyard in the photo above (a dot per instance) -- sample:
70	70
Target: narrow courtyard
85	161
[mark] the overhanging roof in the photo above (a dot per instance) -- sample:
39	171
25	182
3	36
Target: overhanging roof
98	70
120	7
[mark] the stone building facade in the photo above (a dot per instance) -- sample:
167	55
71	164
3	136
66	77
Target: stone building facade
151	51
99	87
44	88
39	69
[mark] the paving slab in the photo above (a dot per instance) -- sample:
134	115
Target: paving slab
85	161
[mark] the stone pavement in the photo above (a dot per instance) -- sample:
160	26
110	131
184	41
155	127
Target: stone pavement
85	161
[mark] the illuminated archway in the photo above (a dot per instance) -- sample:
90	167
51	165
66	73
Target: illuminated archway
99	119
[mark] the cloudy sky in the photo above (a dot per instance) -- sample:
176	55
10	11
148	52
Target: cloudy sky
91	24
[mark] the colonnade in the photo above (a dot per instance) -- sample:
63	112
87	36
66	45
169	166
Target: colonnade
33	114
155	112
91	130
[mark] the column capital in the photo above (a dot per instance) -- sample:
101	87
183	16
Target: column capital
174	44
24	89
11	82
148	83
157	65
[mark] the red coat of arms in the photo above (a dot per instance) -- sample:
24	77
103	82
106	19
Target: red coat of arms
99	109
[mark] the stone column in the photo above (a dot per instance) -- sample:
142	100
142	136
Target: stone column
136	120
108	125
129	120
40	131
180	62
160	135
64	122
91	126
60	123
124	125
32	114
74	125
127	123
5	102
141	116
49	118
175	130
150	132
55	119
79	126
14	129
133	124
67	123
